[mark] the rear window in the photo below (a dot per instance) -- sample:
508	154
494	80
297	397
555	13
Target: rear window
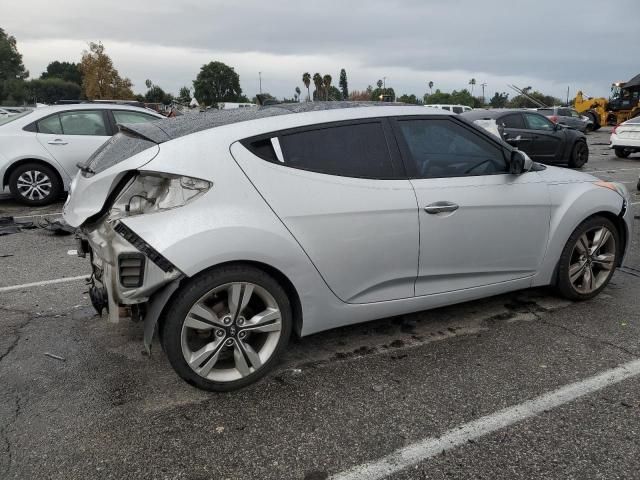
7	119
115	150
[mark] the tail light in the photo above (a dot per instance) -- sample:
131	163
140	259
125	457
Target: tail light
554	118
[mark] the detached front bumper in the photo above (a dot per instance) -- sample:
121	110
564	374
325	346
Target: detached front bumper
126	270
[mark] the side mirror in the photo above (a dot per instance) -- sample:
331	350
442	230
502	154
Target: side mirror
520	162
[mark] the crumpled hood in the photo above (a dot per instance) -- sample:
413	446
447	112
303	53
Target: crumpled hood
88	194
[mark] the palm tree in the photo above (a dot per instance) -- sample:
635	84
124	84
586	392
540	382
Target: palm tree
326	80
472	82
306	79
431	87
317	82
298	92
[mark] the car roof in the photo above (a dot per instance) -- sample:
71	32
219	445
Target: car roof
172	128
93	106
494	113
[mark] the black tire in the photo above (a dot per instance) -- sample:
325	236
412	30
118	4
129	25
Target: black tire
564	285
47	192
192	292
594	119
621	152
579	154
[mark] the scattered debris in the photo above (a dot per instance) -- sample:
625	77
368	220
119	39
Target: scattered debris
56	357
219	429
6	255
377	388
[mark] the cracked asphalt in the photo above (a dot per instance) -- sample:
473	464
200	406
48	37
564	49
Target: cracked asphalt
79	399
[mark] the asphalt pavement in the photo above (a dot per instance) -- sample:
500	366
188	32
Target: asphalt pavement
79	399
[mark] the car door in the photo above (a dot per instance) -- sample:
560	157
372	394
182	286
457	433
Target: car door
479	225
71	137
547	139
516	133
341	194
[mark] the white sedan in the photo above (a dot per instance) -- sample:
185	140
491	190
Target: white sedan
625	138
39	149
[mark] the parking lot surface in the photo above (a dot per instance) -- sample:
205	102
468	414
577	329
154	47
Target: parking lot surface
79	399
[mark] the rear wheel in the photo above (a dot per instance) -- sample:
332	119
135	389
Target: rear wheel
621	152
589	259
594	119
579	155
35	184
227	328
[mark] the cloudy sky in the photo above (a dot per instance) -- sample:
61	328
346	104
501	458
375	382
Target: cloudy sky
547	44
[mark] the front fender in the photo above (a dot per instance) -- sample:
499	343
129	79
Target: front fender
571	204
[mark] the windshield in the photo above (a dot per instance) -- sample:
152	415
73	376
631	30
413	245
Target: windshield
8	119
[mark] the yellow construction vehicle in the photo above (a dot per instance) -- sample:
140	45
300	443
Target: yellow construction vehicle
623	104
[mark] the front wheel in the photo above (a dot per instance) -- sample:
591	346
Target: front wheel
227	328
589	259
579	155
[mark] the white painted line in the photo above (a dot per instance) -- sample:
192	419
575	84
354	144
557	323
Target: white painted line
40	215
430	447
44	282
634	203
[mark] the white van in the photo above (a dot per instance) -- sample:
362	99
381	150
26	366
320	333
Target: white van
451	108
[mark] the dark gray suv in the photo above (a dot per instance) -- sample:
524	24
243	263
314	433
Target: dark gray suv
568	117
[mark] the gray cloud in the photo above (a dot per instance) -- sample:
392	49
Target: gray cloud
586	44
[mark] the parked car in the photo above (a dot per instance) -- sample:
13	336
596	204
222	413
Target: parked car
568	117
625	138
39	149
533	133
9	112
450	108
306	217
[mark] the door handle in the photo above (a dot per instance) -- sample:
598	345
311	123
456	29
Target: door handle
57	141
441	207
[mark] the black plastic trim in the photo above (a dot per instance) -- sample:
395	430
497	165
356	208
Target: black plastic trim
134	239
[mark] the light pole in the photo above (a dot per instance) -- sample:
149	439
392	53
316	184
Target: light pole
260	81
483	84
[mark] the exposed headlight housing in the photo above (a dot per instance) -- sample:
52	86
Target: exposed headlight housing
156	192
615	186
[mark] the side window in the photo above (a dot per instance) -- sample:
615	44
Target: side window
50	125
445	108
456	109
512	121
356	150
575	114
124	116
83	122
442	148
538	122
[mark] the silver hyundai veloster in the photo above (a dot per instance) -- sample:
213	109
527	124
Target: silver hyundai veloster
229	230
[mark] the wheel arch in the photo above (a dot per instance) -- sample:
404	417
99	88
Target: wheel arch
620	225
279	276
23	161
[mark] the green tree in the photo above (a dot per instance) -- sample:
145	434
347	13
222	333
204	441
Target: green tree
52	90
12	71
67	71
326	85
430	86
412	99
297	97
306	79
333	94
462	97
216	83
472	82
499	100
317	82
344	87
379	94
520	101
379	83
184	96
100	79
157	95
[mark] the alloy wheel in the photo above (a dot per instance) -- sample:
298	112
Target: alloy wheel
592	259
231	331
34	185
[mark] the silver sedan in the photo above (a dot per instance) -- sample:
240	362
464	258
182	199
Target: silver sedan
229	231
